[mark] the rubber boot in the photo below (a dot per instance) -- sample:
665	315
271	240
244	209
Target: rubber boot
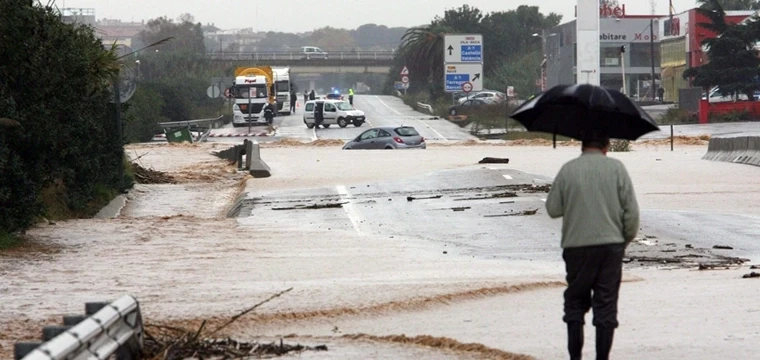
575	340
604	337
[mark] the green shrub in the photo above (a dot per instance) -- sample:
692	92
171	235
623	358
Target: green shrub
733	116
677	116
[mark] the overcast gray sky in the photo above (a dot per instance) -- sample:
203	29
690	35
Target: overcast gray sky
305	15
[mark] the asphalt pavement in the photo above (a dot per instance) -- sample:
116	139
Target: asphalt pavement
380	111
472	212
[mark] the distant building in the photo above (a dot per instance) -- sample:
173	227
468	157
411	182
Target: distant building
631	31
112	31
84	16
236	39
681	46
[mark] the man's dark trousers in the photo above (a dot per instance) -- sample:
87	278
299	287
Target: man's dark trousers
594	274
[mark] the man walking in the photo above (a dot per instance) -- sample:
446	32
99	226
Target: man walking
600	216
305	97
293	100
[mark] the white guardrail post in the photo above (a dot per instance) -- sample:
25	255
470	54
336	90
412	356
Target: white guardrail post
426	107
114	329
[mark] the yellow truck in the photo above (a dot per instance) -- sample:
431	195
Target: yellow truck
253	89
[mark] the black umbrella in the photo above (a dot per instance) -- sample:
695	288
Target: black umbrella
577	110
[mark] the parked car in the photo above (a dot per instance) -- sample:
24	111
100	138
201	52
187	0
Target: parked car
334	112
466	108
312	52
388	138
490	97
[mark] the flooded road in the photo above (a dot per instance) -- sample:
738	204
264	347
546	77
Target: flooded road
381	268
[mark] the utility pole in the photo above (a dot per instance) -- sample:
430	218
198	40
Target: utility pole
651	51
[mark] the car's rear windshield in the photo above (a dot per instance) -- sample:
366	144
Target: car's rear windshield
406	131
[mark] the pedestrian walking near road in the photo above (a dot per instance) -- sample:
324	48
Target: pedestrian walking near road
312	95
351	96
661	94
600	216
305	97
293	100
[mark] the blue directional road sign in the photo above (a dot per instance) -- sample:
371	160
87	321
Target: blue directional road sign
472	53
454	81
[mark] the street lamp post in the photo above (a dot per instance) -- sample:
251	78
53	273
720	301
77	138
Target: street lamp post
545	58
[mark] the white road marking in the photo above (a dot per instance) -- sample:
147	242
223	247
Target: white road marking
507	177
544	200
440	136
386	105
350	210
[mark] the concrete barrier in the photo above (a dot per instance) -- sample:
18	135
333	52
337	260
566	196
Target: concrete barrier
248	157
736	149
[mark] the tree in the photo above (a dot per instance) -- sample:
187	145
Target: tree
65	146
506	35
332	39
730	5
422	51
733	62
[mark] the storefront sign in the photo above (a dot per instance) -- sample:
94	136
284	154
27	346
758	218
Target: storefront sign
672	27
626	30
606	11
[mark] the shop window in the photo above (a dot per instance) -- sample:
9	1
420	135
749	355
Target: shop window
641	55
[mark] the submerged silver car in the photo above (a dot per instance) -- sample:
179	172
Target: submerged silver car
390	137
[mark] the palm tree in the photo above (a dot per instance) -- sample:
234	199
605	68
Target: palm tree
422	48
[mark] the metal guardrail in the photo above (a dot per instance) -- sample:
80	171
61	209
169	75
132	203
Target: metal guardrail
176	124
343	55
115	329
426	107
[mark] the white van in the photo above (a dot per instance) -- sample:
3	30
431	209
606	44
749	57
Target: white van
312	52
334	112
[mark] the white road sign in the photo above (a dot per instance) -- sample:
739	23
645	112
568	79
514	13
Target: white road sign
463	48
405	71
455	75
213	92
404	79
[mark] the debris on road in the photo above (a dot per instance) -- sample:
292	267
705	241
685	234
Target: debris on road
150	176
751	275
754	267
173	342
520	213
722	247
493	160
312	206
412	198
506	194
462	208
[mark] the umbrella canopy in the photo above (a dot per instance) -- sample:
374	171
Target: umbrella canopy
578	110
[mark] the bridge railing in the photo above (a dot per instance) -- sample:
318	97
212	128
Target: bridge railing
343	55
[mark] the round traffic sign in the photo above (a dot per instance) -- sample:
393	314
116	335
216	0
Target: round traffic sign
467	87
213	92
404	79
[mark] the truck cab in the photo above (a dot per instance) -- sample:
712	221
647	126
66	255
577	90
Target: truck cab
253	90
283	88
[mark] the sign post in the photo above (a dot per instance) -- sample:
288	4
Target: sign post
463	63
405	78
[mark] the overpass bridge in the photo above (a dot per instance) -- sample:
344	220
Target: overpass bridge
357	62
